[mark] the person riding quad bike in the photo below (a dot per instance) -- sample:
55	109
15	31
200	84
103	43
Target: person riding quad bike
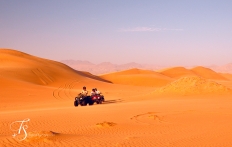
82	98
95	97
84	92
99	94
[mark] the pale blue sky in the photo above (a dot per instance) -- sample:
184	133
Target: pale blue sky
163	32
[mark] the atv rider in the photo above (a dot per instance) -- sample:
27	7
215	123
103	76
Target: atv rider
97	91
83	93
100	94
93	92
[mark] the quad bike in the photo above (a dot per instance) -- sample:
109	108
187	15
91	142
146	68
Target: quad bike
83	101
97	98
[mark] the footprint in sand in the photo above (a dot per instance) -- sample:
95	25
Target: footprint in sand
154	117
106	124
149	118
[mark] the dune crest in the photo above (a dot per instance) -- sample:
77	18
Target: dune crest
137	77
207	73
227	76
177	72
133	71
193	85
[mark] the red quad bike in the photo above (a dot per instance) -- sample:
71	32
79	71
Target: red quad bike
97	98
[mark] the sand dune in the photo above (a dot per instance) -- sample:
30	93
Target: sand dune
24	67
193	86
132	115
137	77
26	78
227	76
207	73
177	72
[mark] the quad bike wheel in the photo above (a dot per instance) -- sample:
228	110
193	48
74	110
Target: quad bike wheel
76	103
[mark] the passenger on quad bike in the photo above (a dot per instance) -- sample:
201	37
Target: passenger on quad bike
95	97
98	93
93	92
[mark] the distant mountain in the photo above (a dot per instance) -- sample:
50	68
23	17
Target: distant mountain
227	68
106	67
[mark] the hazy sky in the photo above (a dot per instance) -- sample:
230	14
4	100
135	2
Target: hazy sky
163	32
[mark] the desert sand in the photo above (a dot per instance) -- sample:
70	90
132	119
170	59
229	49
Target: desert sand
175	107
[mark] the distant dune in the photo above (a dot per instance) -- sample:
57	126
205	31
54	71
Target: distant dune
107	67
177	72
227	76
137	77
207	73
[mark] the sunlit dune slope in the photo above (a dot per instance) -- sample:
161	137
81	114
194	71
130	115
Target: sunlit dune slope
227	76
193	85
177	72
207	73
23	67
137	77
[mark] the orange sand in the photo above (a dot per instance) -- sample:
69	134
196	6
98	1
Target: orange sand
133	114
137	77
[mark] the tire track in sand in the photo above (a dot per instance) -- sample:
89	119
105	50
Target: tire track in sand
64	91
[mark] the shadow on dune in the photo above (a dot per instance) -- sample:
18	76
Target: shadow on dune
89	75
112	101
